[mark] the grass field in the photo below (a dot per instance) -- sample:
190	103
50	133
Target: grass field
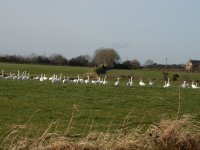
37	104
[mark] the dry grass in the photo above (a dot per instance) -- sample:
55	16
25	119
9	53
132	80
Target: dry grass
168	134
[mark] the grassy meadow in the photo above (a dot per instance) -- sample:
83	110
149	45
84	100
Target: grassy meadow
91	107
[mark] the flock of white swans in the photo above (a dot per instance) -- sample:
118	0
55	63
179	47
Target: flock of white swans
55	79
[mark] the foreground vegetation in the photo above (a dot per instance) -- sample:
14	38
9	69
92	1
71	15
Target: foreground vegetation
80	109
174	134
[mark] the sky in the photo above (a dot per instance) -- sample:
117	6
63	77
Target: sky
136	29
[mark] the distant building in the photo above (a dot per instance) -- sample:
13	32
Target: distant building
192	65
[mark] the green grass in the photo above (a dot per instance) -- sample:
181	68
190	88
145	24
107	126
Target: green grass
47	69
149	74
40	103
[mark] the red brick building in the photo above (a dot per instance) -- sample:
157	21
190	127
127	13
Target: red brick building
192	65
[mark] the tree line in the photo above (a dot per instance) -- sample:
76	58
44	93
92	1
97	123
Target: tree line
55	59
103	57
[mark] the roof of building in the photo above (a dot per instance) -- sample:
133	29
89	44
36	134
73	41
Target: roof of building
195	62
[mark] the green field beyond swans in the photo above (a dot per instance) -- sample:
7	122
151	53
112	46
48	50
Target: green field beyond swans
92	107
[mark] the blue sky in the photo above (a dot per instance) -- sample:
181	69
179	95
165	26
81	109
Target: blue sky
141	29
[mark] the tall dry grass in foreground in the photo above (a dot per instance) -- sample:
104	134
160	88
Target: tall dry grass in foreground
168	134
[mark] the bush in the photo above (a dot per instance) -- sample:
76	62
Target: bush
101	70
167	134
175	77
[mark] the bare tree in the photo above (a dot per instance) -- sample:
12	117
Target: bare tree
148	62
106	57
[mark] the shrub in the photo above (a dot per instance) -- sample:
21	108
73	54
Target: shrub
101	70
175	77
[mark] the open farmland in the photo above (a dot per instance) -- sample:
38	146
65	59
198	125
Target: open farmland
101	107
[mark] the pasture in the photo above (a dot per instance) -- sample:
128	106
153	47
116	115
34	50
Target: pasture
92	107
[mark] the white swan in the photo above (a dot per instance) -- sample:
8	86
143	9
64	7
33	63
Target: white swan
104	81
51	78
165	85
98	81
168	83
36	78
130	82
185	85
26	77
81	80
117	82
141	83
77	80
151	83
20	77
194	86
2	74
44	77
55	80
101	80
93	82
16	76
66	80
60	79
9	77
41	78
88	80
